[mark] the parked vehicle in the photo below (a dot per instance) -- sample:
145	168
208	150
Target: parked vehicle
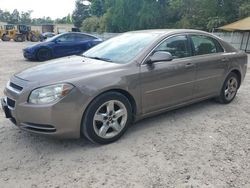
64	44
19	33
47	35
124	79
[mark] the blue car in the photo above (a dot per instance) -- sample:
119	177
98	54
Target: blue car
64	44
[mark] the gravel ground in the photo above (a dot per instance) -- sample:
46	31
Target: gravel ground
202	145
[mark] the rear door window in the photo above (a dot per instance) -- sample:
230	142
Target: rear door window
82	37
205	45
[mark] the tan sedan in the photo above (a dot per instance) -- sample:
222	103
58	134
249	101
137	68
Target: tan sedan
124	79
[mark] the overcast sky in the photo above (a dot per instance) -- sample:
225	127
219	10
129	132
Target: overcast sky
51	8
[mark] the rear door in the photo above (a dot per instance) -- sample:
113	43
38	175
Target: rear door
210	65
168	83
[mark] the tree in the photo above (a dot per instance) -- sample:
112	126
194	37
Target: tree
81	12
5	16
123	16
25	17
97	8
15	17
91	24
244	10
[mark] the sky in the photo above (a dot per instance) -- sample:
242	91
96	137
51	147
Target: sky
48	8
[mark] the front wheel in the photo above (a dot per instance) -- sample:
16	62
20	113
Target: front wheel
43	54
107	118
5	38
229	89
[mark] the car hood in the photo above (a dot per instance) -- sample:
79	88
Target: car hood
65	69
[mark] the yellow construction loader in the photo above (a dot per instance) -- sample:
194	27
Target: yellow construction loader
19	33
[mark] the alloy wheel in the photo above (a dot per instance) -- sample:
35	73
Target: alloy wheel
231	88
110	119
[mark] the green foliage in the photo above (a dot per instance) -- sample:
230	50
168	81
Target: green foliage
97	8
125	15
80	13
17	17
245	9
91	24
64	20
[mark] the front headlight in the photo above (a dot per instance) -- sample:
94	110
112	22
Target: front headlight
48	94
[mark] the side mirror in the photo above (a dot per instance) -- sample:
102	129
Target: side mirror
160	56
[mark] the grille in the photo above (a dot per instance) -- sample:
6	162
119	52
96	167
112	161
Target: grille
11	103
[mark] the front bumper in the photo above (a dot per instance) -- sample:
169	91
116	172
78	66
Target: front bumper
61	119
28	55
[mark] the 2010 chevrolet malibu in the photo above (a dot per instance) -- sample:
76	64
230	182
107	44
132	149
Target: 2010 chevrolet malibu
124	79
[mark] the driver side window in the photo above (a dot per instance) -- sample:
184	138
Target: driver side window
177	46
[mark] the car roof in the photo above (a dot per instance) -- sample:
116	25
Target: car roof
79	33
168	31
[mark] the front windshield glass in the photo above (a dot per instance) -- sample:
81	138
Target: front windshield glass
121	49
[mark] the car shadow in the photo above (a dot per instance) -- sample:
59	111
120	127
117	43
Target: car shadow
61	145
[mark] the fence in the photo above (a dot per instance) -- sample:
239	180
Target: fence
240	40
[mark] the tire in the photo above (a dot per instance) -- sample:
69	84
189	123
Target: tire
5	38
43	54
34	38
20	38
107	118
229	89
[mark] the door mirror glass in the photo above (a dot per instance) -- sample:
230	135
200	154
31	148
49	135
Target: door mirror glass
161	56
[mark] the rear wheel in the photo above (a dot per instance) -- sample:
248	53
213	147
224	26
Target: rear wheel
43	54
229	89
107	118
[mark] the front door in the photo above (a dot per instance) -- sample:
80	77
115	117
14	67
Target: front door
168	83
65	45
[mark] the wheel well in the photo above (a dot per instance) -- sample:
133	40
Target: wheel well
124	93
128	96
238	75
43	47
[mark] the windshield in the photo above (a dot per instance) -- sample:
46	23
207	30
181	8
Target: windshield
121	49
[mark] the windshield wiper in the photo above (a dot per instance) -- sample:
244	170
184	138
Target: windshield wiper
99	58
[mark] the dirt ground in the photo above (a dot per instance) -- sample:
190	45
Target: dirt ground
203	145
